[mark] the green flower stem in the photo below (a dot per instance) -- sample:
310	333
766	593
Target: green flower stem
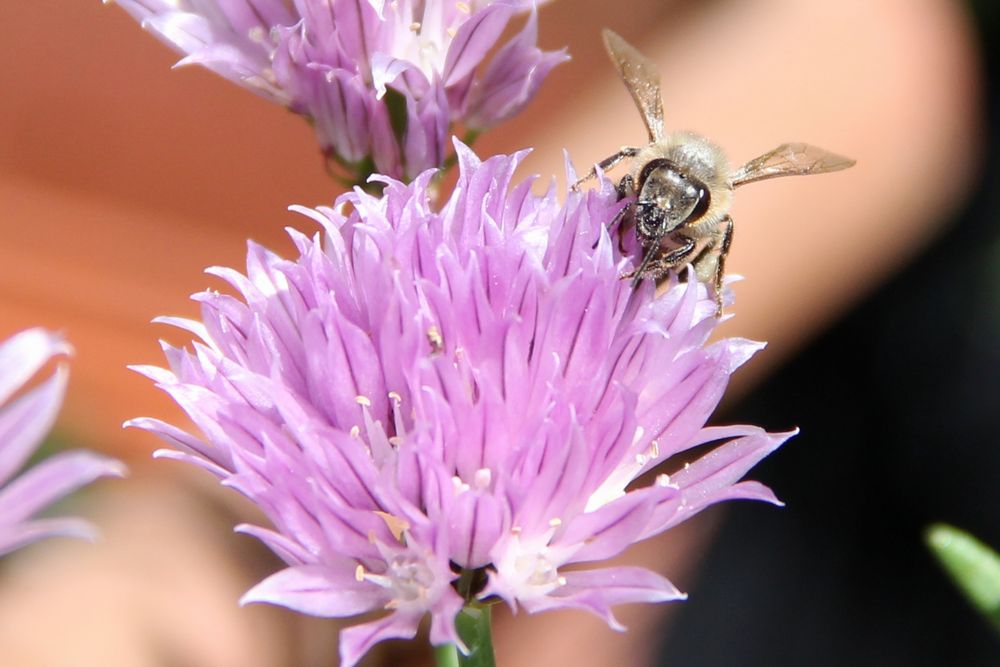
446	655
473	625
475	630
974	567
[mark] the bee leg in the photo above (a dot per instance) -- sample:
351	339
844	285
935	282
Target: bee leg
711	263
626	188
607	163
654	267
720	267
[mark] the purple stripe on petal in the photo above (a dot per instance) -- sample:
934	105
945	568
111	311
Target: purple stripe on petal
512	78
386	70
709	479
247	15
358	21
608	531
476	523
473	41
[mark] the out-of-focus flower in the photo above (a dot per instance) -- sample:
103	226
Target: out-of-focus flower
24	422
333	61
425	402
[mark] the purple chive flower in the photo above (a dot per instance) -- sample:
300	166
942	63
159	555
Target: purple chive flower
24	421
334	60
475	389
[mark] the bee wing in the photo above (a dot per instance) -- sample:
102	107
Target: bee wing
789	160
642	79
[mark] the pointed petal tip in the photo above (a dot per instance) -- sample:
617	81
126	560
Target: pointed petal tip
244	529
784	436
95	465
116	468
162	453
571	175
263	592
249	598
142	369
144	423
464	150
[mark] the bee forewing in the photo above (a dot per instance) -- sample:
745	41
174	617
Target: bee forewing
789	160
641	77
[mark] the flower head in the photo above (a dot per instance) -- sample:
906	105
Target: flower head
423	394
24	421
382	82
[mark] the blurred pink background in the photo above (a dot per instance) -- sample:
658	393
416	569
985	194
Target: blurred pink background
121	180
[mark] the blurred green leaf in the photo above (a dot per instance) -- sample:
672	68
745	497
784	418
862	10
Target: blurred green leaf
973	566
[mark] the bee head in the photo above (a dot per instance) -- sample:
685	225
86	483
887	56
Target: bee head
668	198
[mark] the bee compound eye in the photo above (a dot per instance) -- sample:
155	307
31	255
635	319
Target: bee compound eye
701	206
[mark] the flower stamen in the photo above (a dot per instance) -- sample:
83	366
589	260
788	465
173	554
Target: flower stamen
435	339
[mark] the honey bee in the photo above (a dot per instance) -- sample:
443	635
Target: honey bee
682	183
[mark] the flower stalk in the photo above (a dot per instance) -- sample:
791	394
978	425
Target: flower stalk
475	629
446	655
474	625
